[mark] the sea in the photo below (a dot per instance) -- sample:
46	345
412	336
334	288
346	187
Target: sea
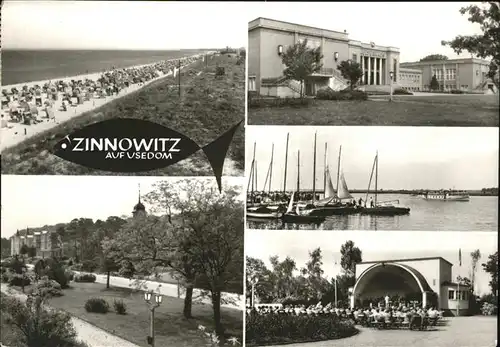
478	214
19	66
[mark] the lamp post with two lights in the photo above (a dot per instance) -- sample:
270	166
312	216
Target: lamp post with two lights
153	300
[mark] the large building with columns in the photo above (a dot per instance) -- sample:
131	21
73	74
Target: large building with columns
427	281
268	39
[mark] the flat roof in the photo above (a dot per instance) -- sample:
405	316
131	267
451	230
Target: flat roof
450	61
299	25
403	260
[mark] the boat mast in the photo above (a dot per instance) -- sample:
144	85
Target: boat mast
298	171
255	176
286	162
326	169
271	168
370	182
338	171
314	170
376	179
253	170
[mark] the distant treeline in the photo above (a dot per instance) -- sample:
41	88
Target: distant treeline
482	192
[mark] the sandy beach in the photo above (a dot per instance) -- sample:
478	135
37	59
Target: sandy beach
16	132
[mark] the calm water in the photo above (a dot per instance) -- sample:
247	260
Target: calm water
27	65
479	214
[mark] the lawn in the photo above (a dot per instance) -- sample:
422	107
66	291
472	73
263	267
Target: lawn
208	107
172	329
439	110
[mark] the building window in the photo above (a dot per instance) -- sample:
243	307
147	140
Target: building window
355	57
451	294
251	84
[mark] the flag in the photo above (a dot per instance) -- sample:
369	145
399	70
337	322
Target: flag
459	257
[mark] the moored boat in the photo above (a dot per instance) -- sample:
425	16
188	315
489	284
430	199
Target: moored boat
263	212
297	216
384	208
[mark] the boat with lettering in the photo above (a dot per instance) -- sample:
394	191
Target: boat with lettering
445	195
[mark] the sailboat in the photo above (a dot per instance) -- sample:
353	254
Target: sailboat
381	210
297	217
332	203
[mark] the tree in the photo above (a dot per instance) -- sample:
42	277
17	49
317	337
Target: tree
314	273
24	250
351	71
300	62
212	224
283	276
5	247
486	44
475	256
31	252
434	57
434	83
350	256
491	267
255	268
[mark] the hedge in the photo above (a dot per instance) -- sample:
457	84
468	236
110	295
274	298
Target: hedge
270	329
88	278
330	94
258	102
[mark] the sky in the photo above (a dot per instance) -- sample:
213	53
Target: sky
379	245
35	201
409	157
415	28
134	25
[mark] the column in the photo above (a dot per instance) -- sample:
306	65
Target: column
444	76
351	299
363	69
457	82
369	71
424	299
375	79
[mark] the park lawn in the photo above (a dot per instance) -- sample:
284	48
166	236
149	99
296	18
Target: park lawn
172	329
207	108
404	111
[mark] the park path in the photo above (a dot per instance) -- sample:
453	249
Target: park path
235	301
88	333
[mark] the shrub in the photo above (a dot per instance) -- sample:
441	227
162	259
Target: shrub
401	91
220	71
120	307
15	265
48	288
277	328
489	309
346	94
89	265
88	278
77	267
54	328
97	305
5	277
258	102
70	275
457	91
57	273
17	280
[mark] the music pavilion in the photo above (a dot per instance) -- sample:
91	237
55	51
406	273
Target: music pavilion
424	280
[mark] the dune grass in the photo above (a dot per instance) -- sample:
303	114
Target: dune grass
208	106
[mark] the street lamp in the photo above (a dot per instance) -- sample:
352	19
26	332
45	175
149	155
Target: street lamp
153	300
391	75
254	281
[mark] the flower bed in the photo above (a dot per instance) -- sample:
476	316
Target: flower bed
270	329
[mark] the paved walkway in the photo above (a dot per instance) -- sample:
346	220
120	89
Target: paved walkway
477	331
168	289
90	334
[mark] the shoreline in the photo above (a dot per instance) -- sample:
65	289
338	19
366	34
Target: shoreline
90	75
16	133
